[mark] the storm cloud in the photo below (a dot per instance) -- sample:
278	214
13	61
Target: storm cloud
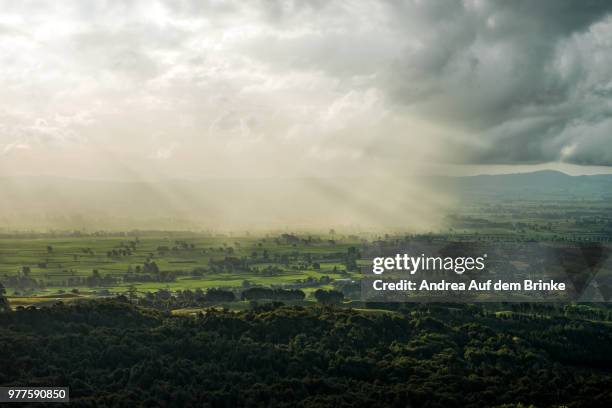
129	89
526	82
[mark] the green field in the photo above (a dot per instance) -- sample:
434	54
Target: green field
37	267
48	266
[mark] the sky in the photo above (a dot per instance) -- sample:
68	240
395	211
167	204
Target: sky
132	90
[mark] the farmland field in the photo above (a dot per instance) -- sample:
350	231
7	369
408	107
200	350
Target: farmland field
43	268
36	269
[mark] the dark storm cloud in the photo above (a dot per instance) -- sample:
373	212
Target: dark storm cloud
524	80
516	81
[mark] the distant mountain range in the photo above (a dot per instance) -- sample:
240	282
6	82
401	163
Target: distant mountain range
537	184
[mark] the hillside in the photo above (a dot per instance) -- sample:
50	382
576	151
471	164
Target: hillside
425	356
536	184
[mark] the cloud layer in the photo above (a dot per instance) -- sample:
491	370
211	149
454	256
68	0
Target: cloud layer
129	89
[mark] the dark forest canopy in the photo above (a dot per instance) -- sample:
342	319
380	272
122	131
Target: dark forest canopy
112	353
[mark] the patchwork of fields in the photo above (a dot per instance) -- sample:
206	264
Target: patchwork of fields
38	269
42	268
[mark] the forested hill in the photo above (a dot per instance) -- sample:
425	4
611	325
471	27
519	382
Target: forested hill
113	354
